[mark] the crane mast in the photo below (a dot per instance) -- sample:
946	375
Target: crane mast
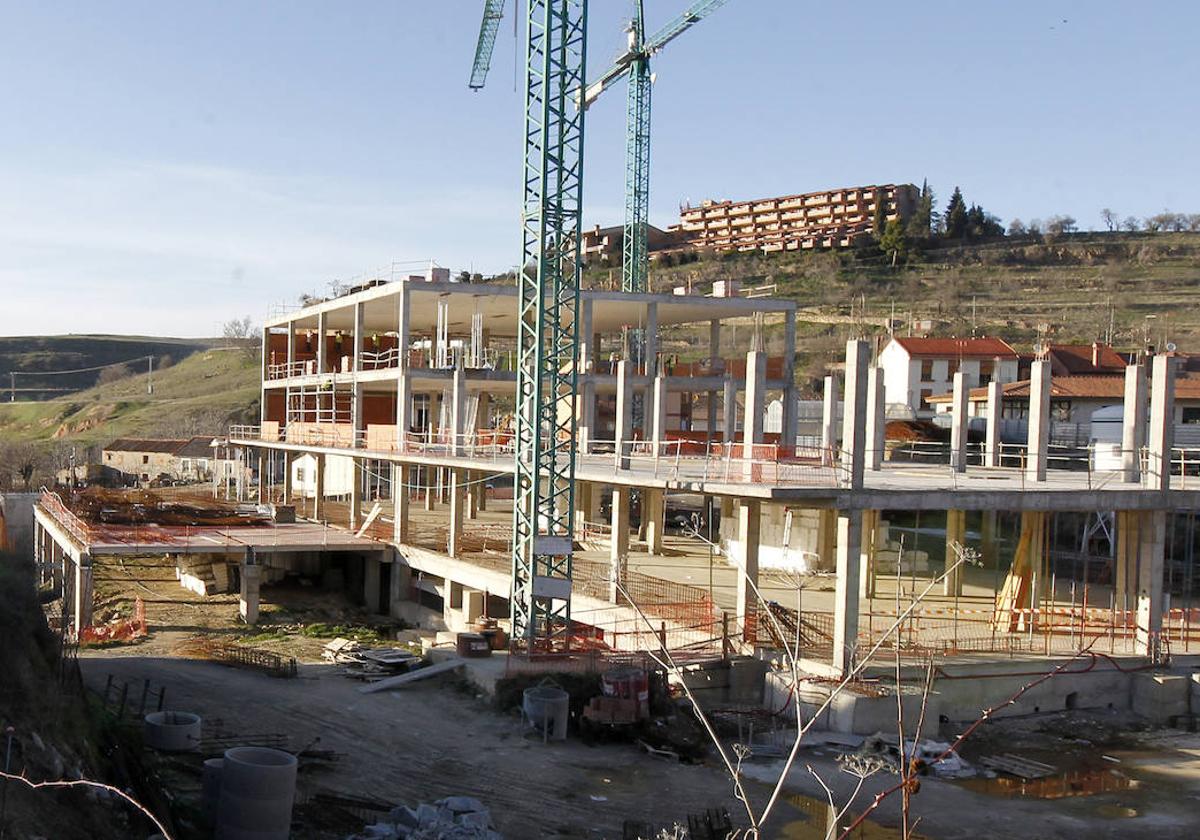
547	301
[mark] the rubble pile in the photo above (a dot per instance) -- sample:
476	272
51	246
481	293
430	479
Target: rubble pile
452	818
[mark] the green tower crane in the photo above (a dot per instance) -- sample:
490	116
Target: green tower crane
547	302
635	62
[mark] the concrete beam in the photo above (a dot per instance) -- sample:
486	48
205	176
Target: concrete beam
959	424
1038	439
1133	423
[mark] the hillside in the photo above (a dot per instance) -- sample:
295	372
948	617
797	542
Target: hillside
1145	286
33	355
200	395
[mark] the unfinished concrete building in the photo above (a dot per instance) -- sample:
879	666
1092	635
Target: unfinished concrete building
829	219
827	545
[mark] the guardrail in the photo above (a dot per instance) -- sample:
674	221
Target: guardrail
53	504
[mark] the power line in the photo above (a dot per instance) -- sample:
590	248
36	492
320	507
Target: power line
78	370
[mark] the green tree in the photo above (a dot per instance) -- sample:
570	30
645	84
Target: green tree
924	220
956	216
879	223
894	241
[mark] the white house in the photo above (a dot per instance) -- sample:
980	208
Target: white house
915	369
339	475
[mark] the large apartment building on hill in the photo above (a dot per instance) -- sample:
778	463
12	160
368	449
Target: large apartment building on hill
828	219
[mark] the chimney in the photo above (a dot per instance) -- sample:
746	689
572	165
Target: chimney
1095	354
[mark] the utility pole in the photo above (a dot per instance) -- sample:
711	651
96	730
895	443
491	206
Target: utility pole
12	386
150	375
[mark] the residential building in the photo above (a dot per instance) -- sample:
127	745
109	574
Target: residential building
604	245
914	369
1093	359
828	219
199	458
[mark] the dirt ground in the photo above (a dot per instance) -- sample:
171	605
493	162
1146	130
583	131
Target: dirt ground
440	738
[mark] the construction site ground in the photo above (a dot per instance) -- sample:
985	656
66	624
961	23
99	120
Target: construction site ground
444	737
438	738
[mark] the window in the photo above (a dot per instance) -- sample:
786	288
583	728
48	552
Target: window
107	456
986	371
926	370
1191	415
1060	411
299	475
925	394
145	459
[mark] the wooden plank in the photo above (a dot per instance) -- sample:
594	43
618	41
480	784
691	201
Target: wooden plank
412	676
1015	765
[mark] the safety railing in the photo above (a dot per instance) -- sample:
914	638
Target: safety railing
287	370
53	504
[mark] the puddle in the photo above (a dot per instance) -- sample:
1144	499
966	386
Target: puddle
808	818
1083	782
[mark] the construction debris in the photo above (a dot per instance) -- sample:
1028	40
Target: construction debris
934	756
1015	765
452	818
366	663
242	656
412	676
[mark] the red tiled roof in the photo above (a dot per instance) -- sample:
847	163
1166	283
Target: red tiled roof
1077	358
1079	387
957	348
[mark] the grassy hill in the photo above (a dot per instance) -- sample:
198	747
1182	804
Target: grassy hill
1145	287
34	355
200	395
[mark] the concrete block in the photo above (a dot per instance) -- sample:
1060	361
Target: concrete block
1159	697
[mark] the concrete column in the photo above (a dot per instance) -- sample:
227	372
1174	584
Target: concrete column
473	494
995	411
400	503
291	348
403	411
711	420
263	478
357	348
618	556
584	491
988	525
714	343
458	504
959	423
429	479
756	399
587	347
264	365
1038	441
651	339
854	420
1133	423
653	516
867	552
624	434
319	487
458	410
587	415
1125	564
355	492
846	589
956	532
729	416
749	529
401	584
790	428
371	584
287	477
1151	562
876	419
827	538
403	323
248	598
472	605
356	416
1162	424
829	403
322	327
83	593
659	426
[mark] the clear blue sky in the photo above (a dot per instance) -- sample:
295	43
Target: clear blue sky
165	166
